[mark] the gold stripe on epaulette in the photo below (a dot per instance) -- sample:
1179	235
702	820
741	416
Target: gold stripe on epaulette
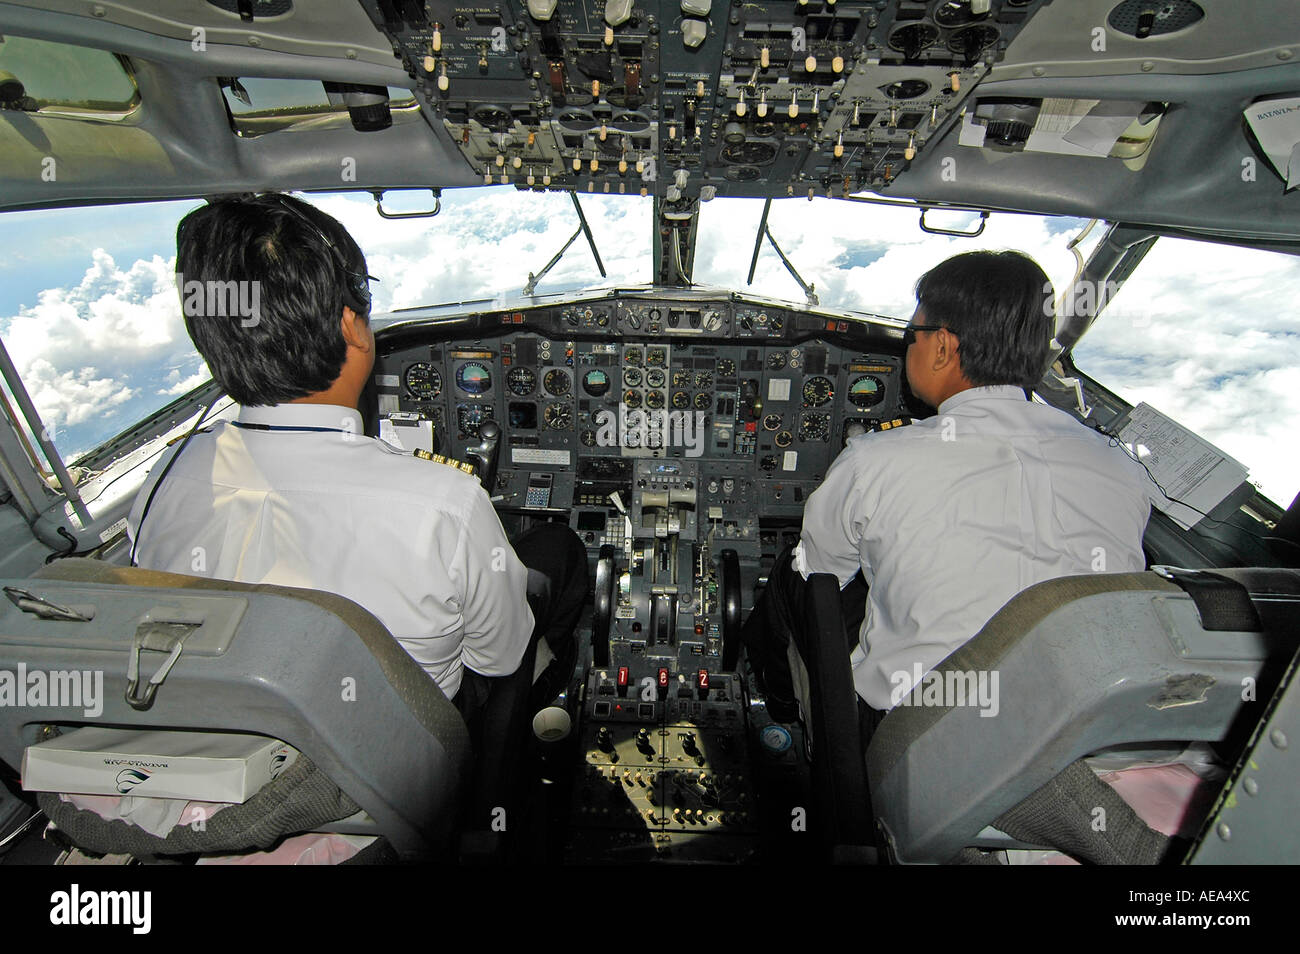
449	461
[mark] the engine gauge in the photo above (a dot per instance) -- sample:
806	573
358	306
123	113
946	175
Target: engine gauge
681	399
702	402
521	381
866	391
654	399
422	381
726	368
776	360
558	416
681	379
596	382
632	356
784	439
473	377
654	378
632	398
817	391
656	357
588	438
632	377
556	382
703	380
772	422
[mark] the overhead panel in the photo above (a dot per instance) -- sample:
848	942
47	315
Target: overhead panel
689	99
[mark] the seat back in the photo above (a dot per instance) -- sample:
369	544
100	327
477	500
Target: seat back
843	820
310	668
1082	664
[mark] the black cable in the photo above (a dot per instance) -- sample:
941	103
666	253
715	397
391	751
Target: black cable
1116	442
71	550
135	544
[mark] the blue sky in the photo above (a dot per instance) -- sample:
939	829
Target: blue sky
89	312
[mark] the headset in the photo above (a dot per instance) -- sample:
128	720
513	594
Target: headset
356	285
356	295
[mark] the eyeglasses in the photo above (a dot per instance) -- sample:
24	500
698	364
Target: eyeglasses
911	331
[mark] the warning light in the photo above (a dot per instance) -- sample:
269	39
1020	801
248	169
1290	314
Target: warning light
622	676
702	679
663	678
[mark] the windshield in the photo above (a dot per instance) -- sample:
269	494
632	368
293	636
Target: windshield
89	312
860	256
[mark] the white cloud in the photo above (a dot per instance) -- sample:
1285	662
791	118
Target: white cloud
89	352
487	245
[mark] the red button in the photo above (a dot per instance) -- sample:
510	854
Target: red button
622	675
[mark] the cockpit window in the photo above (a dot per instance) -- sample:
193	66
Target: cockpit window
1206	334
91	318
40	75
859	256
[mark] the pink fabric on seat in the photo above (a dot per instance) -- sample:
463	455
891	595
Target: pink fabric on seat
1172	799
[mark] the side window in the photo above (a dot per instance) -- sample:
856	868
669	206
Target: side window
90	315
1208	335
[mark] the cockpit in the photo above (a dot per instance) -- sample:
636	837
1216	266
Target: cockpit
677	423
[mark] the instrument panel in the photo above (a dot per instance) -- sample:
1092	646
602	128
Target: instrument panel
583	391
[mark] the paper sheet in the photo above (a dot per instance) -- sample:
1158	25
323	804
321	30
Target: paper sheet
1070	127
407	434
1188	468
1276	124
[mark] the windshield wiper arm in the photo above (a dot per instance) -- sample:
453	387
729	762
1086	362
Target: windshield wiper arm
763	230
583	229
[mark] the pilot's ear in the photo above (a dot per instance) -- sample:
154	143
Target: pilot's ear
356	330
945	349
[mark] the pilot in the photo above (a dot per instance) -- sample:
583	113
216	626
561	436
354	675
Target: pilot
931	528
292	492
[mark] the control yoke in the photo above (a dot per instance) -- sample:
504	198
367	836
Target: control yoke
488	453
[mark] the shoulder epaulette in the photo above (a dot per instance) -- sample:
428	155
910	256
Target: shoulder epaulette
449	461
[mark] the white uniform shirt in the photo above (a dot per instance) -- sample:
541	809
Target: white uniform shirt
953	516
312	502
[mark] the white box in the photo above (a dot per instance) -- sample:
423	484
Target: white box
203	766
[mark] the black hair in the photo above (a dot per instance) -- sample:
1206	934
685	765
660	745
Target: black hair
263	282
999	305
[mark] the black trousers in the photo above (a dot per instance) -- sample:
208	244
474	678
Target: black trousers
778	618
555	552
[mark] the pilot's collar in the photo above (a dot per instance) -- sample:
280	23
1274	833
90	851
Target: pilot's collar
996	392
323	417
